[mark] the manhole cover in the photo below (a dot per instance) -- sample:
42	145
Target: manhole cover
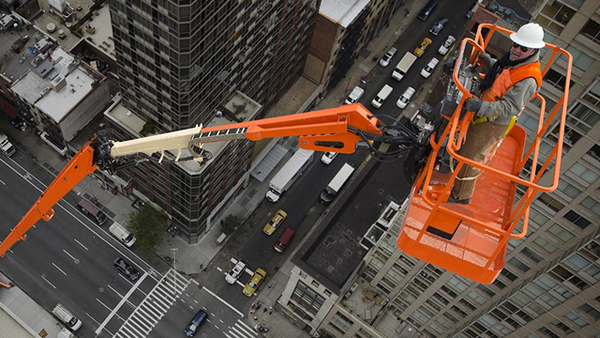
77	261
101	289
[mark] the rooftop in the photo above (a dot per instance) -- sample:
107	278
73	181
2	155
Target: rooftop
55	84
333	252
342	11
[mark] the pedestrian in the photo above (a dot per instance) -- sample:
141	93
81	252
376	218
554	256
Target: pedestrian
271	312
255	317
509	84
265	310
201	266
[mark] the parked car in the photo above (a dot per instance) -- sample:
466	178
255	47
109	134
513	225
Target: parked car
385	60
355	95
275	222
419	51
126	269
254	282
195	323
426	72
445	47
328	157
438	26
405	98
236	272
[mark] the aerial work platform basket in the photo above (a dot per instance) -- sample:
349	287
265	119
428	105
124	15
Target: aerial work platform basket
470	240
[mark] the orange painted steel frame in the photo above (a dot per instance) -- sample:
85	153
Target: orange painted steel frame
328	125
468	255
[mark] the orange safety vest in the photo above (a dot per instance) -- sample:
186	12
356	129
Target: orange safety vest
509	77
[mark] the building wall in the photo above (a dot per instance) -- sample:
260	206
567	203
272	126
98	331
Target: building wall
179	64
87	110
291	298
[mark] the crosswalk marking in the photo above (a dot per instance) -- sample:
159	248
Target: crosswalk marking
154	306
241	330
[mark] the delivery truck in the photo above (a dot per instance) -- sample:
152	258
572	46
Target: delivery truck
336	184
403	66
289	173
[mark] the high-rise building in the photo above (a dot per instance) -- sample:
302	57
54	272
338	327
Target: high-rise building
550	284
181	64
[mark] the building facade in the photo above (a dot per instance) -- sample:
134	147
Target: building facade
181	62
549	286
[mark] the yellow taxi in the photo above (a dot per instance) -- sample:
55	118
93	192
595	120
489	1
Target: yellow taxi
254	282
275	222
419	51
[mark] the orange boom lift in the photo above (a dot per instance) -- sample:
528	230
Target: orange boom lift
467	240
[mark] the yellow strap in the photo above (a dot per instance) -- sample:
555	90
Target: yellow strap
513	121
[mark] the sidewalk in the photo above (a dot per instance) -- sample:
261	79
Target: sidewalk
190	257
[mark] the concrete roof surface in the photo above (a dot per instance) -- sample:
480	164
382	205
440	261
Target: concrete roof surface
342	11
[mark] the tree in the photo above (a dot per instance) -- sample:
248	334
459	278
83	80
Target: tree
148	225
230	223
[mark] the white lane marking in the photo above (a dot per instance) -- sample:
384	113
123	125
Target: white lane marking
47	281
123	300
220	270
223	301
59	269
1	181
83	246
68	254
240	283
222	322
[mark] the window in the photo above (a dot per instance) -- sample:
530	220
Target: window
532	255
592	31
545	244
568	189
518	264
593	95
594	152
548	333
591	204
560	232
577	262
583	172
555	16
550	202
562	326
582	117
590	310
580	59
577	219
576	319
556	79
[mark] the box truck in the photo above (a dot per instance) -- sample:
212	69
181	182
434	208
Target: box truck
403	66
336	184
289	173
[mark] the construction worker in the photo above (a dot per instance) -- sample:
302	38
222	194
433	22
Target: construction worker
506	88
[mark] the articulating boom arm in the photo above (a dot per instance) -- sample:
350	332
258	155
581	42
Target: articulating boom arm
338	129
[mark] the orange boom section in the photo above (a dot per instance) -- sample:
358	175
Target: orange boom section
470	240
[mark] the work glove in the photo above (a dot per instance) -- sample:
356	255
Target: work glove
485	59
472	104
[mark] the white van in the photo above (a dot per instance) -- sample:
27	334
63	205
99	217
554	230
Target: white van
382	96
355	95
62	313
122	234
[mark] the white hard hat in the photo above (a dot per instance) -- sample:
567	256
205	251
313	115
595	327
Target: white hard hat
530	35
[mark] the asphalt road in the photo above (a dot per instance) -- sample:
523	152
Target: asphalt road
300	202
66	260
